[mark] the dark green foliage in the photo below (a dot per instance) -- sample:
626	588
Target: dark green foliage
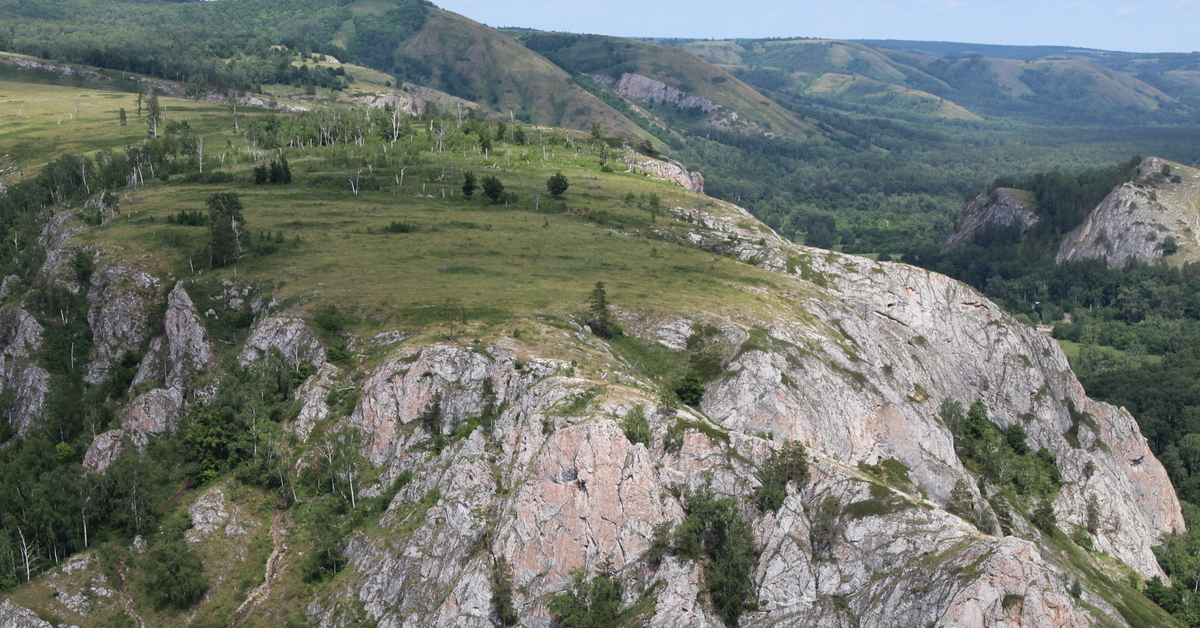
378	35
502	592
469	185
590	603
1043	517
278	171
401	227
431	420
961	503
557	184
225	228
716	532
331	319
83	266
1169	245
240	427
825	529
788	464
324	557
1080	536
1000	456
599	318
493	189
188	219
175	575
636	426
673	439
689	389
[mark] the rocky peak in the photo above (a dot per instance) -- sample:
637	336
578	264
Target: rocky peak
1135	220
1002	207
122	301
183	351
289	335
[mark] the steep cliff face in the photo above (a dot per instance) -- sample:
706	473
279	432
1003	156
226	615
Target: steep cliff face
856	369
1136	219
21	379
122	302
182	351
175	360
1002	207
516	449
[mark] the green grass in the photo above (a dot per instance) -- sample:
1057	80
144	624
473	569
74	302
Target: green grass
496	263
1072	350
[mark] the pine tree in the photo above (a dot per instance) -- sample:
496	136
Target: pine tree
468	186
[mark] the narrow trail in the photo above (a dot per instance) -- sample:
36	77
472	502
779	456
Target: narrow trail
274	566
125	597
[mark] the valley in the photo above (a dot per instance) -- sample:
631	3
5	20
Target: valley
380	316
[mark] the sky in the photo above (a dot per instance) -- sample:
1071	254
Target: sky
1126	25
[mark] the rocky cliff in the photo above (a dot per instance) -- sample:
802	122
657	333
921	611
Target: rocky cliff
1141	219
850	357
1002	207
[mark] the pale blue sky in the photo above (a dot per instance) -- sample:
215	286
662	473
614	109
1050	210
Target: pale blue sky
1130	25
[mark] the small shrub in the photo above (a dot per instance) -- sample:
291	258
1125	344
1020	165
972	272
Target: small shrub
401	227
636	426
673	439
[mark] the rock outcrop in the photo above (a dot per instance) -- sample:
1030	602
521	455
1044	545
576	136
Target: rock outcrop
152	413
22	381
646	89
289	335
122	304
412	106
1137	218
1002	207
553	483
667	169
183	352
15	616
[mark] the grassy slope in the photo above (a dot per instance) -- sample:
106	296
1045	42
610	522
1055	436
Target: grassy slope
511	77
690	74
500	262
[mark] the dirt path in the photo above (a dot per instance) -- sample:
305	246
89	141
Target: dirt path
274	566
125	597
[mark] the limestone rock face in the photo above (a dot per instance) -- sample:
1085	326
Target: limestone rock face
1002	207
16	616
20	337
669	170
288	334
183	351
122	302
646	89
553	483
1136	218
312	395
56	239
154	412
